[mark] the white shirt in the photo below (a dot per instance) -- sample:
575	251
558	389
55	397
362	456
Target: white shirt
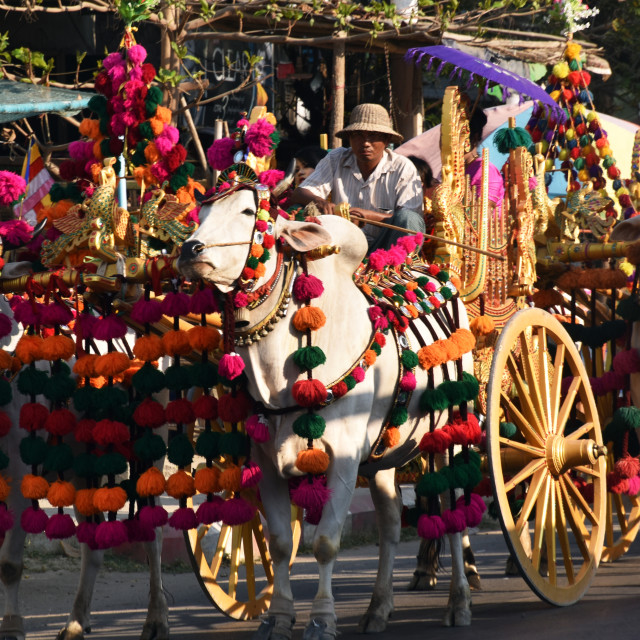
394	184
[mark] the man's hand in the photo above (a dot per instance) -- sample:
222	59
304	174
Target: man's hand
362	215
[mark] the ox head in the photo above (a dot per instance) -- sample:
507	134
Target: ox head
219	249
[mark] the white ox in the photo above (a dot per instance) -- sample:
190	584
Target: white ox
156	626
353	422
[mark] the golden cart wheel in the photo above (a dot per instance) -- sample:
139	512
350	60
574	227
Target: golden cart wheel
237	574
538	462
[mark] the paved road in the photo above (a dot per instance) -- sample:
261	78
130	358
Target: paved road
505	608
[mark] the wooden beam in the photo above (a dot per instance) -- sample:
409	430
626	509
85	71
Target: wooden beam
339	75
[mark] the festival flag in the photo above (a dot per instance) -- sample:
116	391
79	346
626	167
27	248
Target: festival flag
39	183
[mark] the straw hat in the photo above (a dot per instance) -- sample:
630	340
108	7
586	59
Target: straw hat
370	117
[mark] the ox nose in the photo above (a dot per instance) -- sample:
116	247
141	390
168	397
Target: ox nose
191	250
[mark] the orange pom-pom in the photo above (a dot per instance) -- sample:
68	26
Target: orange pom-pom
89	128
176	343
231	478
370	356
148	348
411	286
110	498
451	349
29	349
34	487
61	494
84	367
151	483
412	310
84	502
455	281
58	348
391	437
4	489
260	270
256	250
157	126
111	364
314	461
6	360
309	318
151	153
16	365
207	480
465	340
203	338
180	485
432	355
163	114
482	326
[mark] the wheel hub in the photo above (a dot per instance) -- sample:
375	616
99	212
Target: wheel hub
562	454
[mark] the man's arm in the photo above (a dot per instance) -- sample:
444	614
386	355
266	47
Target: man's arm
305	196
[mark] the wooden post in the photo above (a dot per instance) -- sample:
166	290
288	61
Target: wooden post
337	118
407	107
218	132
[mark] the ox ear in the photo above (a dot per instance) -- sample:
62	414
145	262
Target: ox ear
627	230
302	236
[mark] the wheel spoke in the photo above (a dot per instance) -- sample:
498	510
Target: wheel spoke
524	396
565	409
556	386
580	502
528	364
537	482
247	544
550	532
530	435
216	563
523	474
542	506
563	537
236	537
590	471
536	452
580	533
543	378
620	511
265	556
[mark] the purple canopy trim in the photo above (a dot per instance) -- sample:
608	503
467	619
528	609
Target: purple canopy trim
493	73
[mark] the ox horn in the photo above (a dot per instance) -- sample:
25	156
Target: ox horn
287	181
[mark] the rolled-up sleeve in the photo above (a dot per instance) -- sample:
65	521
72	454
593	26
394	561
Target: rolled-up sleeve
409	190
320	181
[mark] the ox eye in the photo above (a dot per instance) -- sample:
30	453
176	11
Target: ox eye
248	212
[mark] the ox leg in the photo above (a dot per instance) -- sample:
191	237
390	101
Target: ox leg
156	626
274	493
11	566
424	577
388	505
79	621
470	569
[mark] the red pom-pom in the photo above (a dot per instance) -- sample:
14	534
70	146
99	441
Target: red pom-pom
309	393
110	432
437	441
180	411
5	424
234	409
339	389
627	467
33	415
60	422
149	413
206	407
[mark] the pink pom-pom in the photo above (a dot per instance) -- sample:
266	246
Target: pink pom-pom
110	327
6	326
164	146
146	311
12	186
408	243
358	374
565	384
430	287
240	300
220	153
33	520
60	526
431	527
257	428
258	137
138	531
378	260
27	313
183	519
634	486
454	520
311	493
6	518
307	287
159	171
209	512
261	225
533	183
472	511
172	134
236	511
84	325
396	256
86	534
155	516
55	314
410	296
203	301
111	534
627	467
112	60
251	475
231	366
271	177
137	54
408	382
627	361
175	304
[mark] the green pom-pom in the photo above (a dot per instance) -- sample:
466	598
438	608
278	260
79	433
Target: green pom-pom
309	425
176	378
252	262
507	139
105	148
377	348
409	359
150	447
148	380
84	465
58	458
83	398
56	193
508	429
457	476
309	357
266	254
4	460
146	132
31	381
419	293
454	390
203	374
103	125
208	444
74	193
628	416
493	509
474	477
446	293
608	161
176	182
108	398
422	281
98	104
234	444
350	381
432	484
400	289
110	464
189	169
443	276
472	386
574	64
59	387
33	450
433	400
5	391
180	450
399	416
155	94
275	139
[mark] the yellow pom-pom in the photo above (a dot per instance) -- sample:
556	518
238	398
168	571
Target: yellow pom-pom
622	191
560	70
592	116
572	51
626	268
579	109
548	164
555	95
584	176
545	146
570	134
564	154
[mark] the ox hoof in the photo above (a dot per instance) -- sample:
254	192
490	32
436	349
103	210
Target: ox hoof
458	612
273	628
475	584
73	631
372	623
457	618
319	630
422	581
155	631
12	628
